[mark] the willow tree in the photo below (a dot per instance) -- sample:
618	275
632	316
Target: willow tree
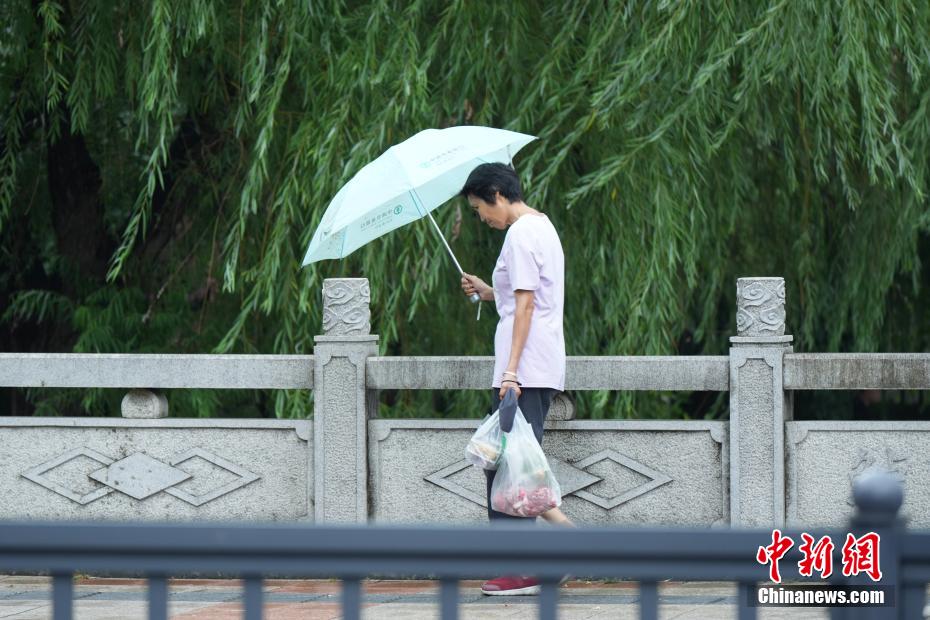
165	163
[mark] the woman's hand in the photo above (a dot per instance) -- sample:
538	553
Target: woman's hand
474	284
507	385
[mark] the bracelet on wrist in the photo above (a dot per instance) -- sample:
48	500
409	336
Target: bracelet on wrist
511	381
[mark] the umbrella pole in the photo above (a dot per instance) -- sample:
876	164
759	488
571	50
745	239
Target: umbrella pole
474	297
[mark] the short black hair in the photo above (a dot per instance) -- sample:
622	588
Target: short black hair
487	179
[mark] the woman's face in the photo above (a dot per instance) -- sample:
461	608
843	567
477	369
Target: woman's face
491	214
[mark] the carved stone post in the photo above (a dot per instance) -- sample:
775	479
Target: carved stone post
342	403
759	405
140	403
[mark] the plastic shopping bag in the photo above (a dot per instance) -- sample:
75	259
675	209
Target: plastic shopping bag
486	445
524	485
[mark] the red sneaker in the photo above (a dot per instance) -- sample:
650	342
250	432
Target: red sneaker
510	586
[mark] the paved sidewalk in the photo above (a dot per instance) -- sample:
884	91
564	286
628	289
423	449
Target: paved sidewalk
29	598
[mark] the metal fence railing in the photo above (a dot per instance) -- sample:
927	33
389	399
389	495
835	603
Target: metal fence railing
449	555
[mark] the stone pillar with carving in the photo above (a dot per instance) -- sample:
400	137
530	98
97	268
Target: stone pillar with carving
759	404
342	402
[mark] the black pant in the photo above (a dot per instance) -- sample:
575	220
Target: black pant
534	404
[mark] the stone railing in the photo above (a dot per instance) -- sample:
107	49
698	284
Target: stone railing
758	469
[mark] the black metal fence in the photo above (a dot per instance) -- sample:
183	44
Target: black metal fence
352	553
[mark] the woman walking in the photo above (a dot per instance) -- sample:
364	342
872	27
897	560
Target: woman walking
528	290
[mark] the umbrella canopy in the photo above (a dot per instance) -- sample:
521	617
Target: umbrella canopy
405	183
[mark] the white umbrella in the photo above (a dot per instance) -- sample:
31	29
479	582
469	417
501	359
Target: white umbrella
406	183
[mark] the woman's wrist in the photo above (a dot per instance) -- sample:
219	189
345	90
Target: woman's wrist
510	376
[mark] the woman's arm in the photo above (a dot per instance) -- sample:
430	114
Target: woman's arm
522	318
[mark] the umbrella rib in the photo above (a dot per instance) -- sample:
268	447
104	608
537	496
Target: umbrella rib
416	201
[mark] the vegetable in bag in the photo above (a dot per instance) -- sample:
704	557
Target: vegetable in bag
524	485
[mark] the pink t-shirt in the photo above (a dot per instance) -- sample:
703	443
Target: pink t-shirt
531	259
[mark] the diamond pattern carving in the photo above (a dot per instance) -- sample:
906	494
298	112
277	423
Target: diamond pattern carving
571	478
656	478
441	479
245	477
35	474
140	476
